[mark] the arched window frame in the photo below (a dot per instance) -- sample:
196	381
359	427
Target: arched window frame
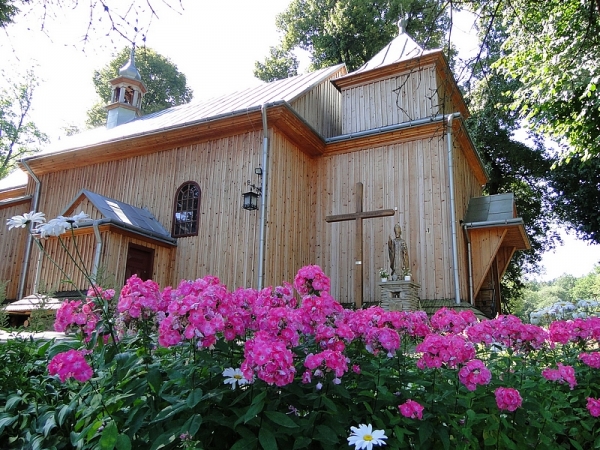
186	204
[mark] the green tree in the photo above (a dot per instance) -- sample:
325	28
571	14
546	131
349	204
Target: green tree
19	136
588	287
552	48
349	31
512	165
576	185
166	86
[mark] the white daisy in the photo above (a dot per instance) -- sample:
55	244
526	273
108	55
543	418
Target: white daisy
364	437
25	219
233	377
78	219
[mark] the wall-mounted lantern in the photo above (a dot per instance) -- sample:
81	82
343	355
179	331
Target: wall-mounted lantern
251	197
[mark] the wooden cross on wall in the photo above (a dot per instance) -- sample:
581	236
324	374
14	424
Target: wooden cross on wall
359	215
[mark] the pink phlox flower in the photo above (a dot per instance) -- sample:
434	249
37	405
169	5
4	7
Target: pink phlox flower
70	364
591	359
269	358
384	338
508	399
450	321
593	406
327	361
474	373
413	323
508	331
451	350
564	374
411	409
311	280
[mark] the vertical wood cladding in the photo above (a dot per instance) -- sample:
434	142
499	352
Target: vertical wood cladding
12	247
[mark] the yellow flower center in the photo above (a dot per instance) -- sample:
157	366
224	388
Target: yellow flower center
237	376
367	437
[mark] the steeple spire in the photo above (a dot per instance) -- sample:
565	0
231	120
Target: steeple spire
127	93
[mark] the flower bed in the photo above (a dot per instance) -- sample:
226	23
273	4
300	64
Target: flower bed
199	366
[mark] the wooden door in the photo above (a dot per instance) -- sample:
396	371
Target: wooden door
140	261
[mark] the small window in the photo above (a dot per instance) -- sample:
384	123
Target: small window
185	214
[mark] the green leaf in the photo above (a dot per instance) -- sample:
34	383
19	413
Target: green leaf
123	442
266	439
6	421
109	436
63	413
244	444
192	425
154	380
169	411
301	442
194	398
281	419
12	401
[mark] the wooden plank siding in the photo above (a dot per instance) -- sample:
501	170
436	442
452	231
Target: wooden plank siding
221	167
12	246
401	176
408	96
321	107
290	211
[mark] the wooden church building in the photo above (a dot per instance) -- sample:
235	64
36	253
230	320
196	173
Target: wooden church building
165	191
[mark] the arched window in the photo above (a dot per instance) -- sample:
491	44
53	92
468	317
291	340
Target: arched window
185	213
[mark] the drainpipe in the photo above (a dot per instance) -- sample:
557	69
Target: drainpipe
470	264
29	243
263	203
98	250
453	210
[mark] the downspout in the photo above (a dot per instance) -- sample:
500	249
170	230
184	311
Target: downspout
453	210
263	203
470	264
29	243
98	250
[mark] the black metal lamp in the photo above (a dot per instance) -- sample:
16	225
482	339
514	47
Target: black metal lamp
251	197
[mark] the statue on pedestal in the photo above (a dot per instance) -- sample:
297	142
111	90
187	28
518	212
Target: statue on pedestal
398	251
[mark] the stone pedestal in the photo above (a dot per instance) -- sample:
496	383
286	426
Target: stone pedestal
399	295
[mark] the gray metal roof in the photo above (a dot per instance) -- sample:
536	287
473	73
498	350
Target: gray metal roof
491	208
401	48
35	301
136	219
286	90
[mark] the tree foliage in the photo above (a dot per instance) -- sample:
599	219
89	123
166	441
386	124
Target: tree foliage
19	136
552	48
166	86
350	31
576	185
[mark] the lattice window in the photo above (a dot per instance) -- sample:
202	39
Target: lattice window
185	212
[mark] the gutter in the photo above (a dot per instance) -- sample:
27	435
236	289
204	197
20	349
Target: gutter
29	243
98	250
470	265
495	223
263	203
453	209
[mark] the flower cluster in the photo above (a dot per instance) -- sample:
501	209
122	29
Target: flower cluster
270	359
411	409
139	300
562	374
593	406
70	364
311	280
508	399
437	350
474	373
77	314
591	359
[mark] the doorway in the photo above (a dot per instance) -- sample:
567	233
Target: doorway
140	262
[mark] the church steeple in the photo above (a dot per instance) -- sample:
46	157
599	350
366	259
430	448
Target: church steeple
127	93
